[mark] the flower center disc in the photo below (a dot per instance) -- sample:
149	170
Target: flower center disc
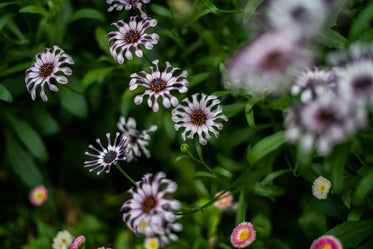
326	247
110	156
157	85
326	117
148	204
244	235
198	118
299	13
46	70
362	82
274	61
132	36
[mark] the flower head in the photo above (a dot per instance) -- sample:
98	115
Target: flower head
106	157
151	243
159	84
243	235
62	240
322	123
303	16
356	52
356	83
151	211
38	195
199	117
309	83
136	140
265	65
131	35
225	200
321	187
127	4
78	242
48	66
326	242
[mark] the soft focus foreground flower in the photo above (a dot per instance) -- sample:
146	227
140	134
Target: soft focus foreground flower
356	52
159	84
106	157
199	117
151	243
356	83
62	240
309	83
326	242
243	235
265	65
38	195
303	16
136	140
48	65
131	35
225	201
321	187
322	123
78	242
127	4
151	211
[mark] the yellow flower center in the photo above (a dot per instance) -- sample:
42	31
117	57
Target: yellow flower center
326	247
153	244
143	225
322	188
39	196
244	235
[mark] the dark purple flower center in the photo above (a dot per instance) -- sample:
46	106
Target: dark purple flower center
46	69
148	204
312	82
362	82
134	2
157	85
110	156
326	117
299	13
132	36
274	61
198	118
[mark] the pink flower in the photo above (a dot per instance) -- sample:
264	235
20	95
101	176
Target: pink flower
326	242
78	242
224	201
243	235
38	195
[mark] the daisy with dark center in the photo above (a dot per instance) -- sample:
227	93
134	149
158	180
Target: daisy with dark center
47	66
136	140
159	84
322	123
304	17
106	157
151	210
265	65
131	35
356	52
199	117
356	83
309	83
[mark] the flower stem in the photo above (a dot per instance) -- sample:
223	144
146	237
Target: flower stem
200	162
125	174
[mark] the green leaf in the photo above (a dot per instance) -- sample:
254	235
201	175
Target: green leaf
73	102
201	188
262	225
265	146
88	14
34	9
333	39
312	224
249	10
94	75
30	138
232	109
46	123
241	210
22	162
102	40
17	68
337	160
223	172
204	174
269	178
5	95
161	11
198	78
249	113
267	190
362	23
352	233
2	5
5	19
211	7
363	188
